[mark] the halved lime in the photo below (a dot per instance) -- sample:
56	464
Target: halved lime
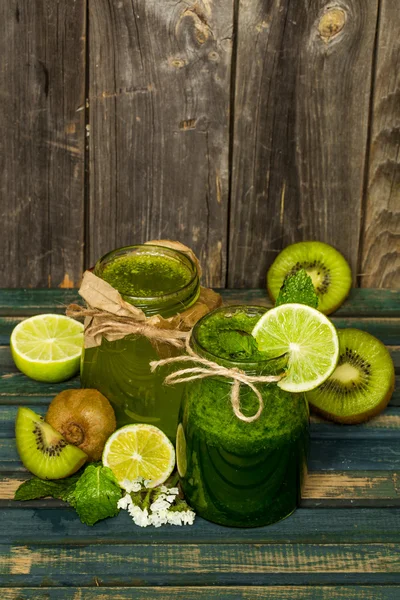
307	337
139	450
47	347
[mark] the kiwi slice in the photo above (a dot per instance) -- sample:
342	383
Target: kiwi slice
43	450
328	269
362	383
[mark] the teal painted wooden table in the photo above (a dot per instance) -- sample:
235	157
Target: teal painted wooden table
344	541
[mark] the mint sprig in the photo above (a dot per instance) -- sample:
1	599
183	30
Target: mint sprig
94	492
298	288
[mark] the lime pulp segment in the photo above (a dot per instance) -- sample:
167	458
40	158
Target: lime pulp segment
139	451
308	338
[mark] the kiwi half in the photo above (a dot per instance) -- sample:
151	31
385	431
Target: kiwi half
43	450
328	269
362	383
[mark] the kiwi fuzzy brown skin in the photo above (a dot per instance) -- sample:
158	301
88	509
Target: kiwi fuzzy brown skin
85	418
360	418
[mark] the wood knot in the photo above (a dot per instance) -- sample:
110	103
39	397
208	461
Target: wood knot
331	23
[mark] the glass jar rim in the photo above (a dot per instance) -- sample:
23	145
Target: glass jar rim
166	304
165	250
250	366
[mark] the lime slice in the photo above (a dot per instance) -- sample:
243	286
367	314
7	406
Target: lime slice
47	347
309	339
139	451
181	461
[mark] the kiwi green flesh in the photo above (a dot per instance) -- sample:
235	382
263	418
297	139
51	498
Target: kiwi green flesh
362	383
328	269
43	450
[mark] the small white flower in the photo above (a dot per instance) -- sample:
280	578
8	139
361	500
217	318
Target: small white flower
159	518
125	502
174	490
174	518
147	482
170	498
159	504
134	485
163	488
139	516
188	517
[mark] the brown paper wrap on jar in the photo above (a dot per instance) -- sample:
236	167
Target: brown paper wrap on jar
108	315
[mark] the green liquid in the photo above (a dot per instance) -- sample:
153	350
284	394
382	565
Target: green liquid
160	281
242	474
146	275
120	371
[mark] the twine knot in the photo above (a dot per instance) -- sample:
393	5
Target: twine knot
209	368
108	324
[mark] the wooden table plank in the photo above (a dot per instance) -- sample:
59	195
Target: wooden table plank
55	526
386	425
284	592
325	455
360	303
200	564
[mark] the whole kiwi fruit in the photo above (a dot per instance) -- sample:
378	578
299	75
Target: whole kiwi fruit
85	418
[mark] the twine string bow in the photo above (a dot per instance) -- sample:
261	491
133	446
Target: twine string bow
213	369
104	323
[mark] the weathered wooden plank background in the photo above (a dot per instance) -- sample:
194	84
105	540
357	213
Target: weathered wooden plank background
236	126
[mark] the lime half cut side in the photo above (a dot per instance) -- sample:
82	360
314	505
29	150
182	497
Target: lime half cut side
308	338
139	450
47	347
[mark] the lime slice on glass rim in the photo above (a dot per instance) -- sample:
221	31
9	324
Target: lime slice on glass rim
308	338
47	347
139	450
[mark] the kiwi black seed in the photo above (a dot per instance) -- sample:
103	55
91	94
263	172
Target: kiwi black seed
328	269
362	383
43	450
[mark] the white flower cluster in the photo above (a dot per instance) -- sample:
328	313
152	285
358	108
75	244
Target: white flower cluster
161	510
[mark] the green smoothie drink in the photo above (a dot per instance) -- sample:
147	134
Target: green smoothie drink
161	281
234	472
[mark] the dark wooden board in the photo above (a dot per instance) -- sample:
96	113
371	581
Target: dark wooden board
362	302
159	125
380	258
325	454
42	83
200	564
55	526
251	592
301	111
342	542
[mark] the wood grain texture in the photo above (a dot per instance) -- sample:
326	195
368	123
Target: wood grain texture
358	592
380	243
195	564
362	302
42	86
54	525
159	125
303	83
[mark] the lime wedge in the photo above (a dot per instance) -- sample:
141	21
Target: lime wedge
307	337
47	347
139	451
181	460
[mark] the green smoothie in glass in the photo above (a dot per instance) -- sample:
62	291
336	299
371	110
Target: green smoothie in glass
233	472
158	280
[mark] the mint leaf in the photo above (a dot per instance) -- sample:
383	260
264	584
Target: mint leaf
298	288
96	495
237	344
39	488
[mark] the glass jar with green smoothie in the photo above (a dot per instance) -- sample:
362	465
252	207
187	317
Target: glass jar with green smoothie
160	281
233	472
